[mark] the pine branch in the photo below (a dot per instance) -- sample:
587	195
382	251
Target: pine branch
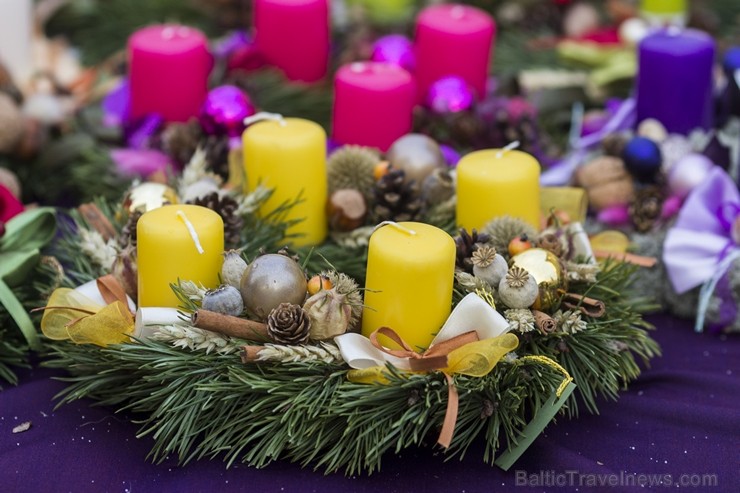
199	405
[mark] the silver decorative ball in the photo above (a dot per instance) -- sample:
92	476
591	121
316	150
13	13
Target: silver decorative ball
270	280
417	155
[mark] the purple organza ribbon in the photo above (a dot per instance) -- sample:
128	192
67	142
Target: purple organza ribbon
560	173
701	236
699	248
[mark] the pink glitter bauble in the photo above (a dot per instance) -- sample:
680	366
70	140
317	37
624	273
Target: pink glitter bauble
224	111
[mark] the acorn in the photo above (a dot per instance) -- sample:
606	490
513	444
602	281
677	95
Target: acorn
224	299
518	289
233	268
489	265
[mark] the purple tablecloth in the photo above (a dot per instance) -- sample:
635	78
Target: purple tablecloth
679	424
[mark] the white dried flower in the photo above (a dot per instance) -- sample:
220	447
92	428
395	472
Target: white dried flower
358	237
324	352
251	202
570	321
510	357
193	291
102	253
195	339
520	319
195	171
582	272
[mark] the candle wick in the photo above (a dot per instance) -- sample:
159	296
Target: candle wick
395	225
357	67
674	30
191	230
168	32
507	148
457	12
263	116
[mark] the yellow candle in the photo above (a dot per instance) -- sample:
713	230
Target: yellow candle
289	156
177	241
494	183
410	270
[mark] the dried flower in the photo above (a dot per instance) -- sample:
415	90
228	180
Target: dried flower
570	321
520	319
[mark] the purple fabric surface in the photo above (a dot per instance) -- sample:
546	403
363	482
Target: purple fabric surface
681	417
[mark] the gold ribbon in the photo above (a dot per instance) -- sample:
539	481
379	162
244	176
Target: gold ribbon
463	354
571	200
70	315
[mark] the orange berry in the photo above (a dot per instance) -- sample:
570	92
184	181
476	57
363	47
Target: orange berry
519	244
318	283
381	169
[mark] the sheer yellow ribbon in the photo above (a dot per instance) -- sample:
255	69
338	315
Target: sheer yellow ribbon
70	315
475	359
614	244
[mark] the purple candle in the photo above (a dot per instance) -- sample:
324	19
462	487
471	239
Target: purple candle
674	82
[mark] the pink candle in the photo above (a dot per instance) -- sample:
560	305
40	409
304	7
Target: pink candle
293	35
168	71
373	104
453	40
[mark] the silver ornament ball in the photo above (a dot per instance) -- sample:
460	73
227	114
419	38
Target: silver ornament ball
417	155
270	280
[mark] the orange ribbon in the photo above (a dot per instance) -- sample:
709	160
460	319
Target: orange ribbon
434	358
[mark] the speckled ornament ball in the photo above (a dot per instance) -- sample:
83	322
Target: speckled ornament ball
642	158
417	155
270	280
688	173
449	94
395	49
224	111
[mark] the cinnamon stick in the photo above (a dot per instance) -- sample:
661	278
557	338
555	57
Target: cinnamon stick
588	306
228	325
250	354
92	214
544	322
631	258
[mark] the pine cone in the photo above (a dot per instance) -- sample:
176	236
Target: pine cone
217	149
466	244
180	140
395	199
226	208
288	324
645	209
550	242
352	167
128	231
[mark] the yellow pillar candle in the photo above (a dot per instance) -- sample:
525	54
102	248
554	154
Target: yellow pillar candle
497	182
177	241
289	156
410	270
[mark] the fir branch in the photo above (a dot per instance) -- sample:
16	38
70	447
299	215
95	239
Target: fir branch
198	405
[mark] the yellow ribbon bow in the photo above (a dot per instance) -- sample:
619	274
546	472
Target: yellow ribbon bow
463	354
70	315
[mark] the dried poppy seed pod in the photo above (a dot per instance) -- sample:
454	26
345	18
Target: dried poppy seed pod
518	289
489	265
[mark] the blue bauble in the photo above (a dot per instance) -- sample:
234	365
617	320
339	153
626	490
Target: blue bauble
731	61
642	158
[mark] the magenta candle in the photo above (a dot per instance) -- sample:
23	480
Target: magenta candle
373	104
674	80
293	35
168	71
453	40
